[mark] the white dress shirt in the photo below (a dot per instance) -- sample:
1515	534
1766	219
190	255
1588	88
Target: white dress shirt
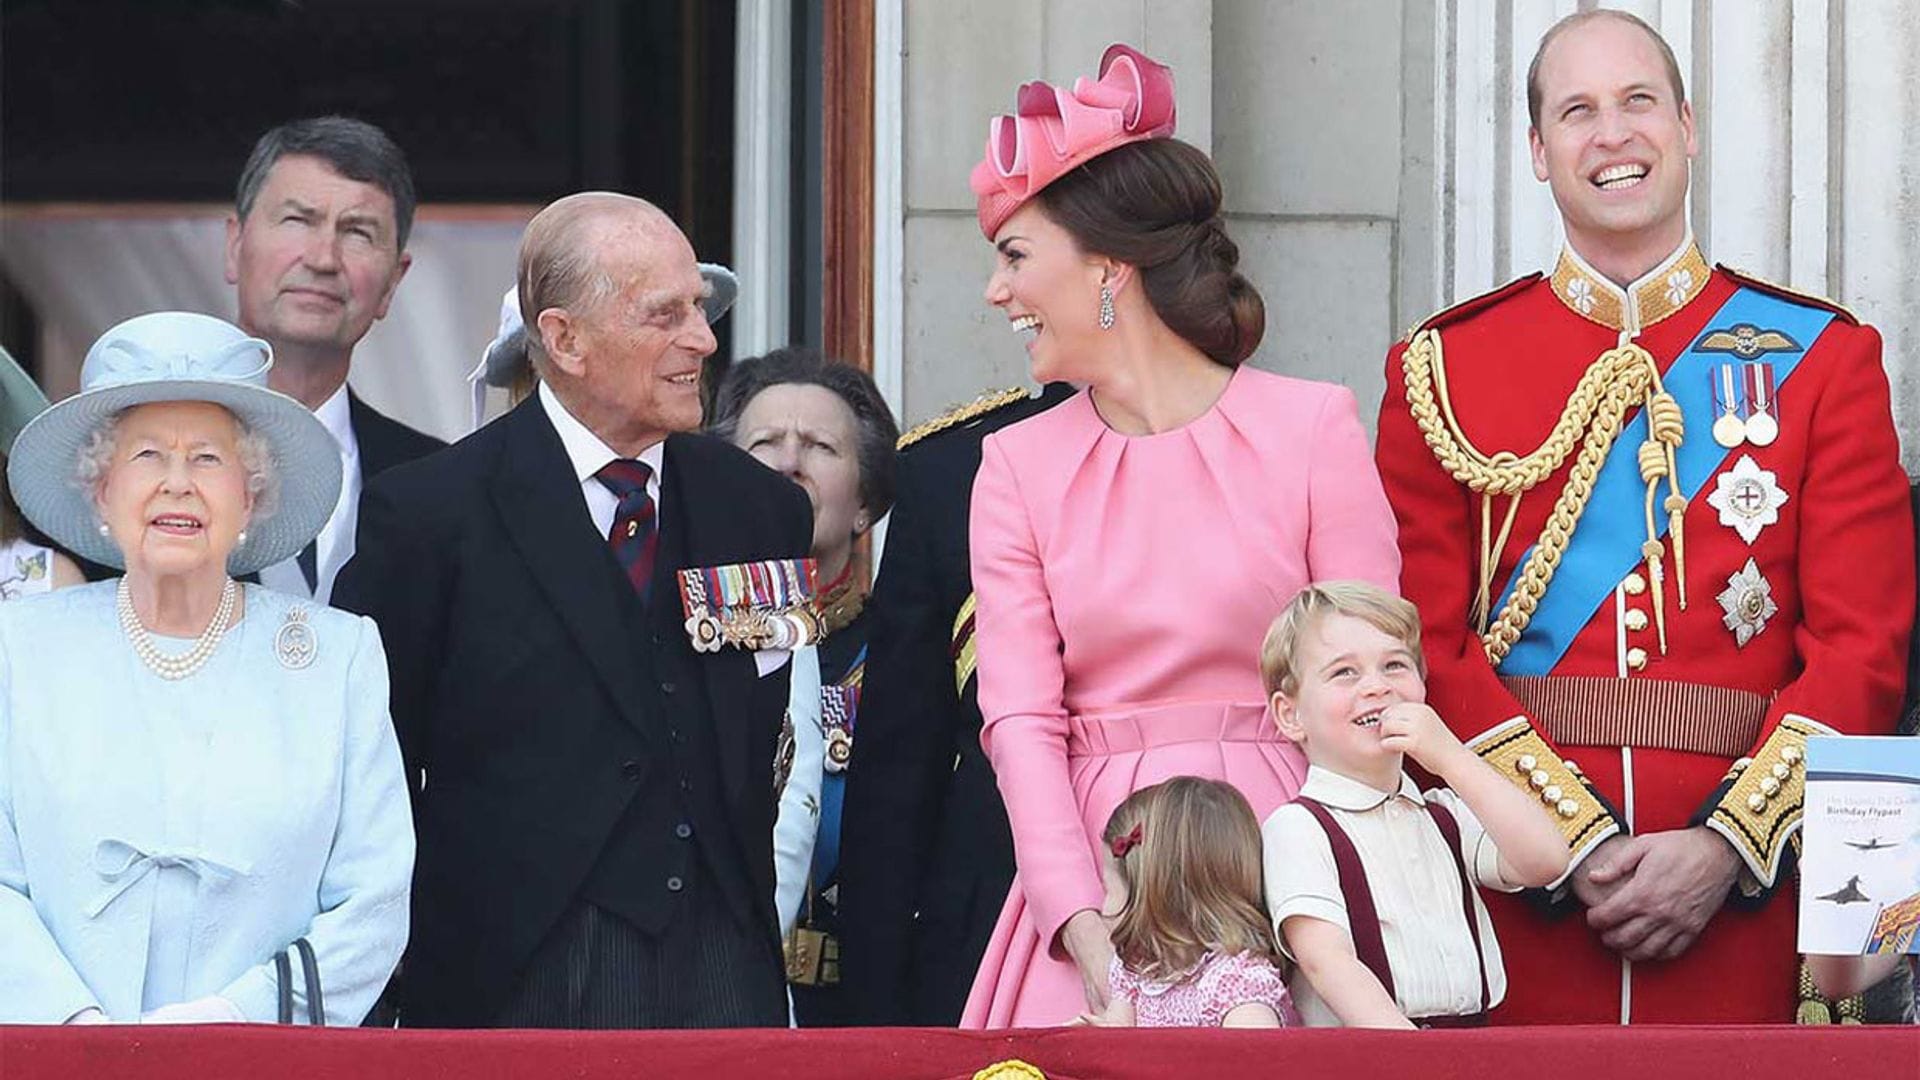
1415	884
335	544
589	455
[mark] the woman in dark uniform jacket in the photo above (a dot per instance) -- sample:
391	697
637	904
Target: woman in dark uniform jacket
824	425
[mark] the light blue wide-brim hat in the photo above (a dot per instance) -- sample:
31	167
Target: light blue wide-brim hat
177	356
21	399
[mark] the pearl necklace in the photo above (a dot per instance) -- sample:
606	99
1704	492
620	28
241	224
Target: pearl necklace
175	668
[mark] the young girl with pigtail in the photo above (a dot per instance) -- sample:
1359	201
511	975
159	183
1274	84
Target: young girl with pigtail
1192	943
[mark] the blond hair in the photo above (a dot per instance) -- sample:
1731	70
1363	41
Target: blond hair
1193	877
1385	612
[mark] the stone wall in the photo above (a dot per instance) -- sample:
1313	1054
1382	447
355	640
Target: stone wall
1374	154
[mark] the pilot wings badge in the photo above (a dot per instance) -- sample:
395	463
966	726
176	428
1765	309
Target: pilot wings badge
1747	341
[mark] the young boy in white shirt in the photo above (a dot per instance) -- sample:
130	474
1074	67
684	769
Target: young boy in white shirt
1370	881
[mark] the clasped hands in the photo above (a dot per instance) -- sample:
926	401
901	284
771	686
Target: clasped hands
1649	896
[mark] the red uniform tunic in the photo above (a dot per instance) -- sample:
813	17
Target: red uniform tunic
1839	563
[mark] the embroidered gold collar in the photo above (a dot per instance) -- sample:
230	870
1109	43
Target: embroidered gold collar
840	603
1659	293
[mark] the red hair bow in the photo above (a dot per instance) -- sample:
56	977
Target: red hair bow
1053	130
1126	842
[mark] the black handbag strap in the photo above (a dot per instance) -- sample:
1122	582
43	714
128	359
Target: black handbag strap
283	971
310	967
310	970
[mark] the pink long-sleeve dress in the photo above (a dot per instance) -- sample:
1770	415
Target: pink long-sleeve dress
1123	588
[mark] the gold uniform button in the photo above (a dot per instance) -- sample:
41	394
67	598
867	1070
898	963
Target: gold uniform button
1769	786
1780	771
1550	794
1756	802
1567	808
1636	620
1636	659
1634	584
1526	763
1538	778
1789	754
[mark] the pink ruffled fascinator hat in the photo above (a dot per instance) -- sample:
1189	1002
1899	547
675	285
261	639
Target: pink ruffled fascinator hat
1053	131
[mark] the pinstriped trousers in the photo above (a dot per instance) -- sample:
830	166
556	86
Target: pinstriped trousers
596	970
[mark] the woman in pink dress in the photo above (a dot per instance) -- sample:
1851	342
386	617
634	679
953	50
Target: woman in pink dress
1130	546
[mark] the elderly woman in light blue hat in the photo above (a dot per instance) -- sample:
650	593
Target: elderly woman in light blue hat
195	775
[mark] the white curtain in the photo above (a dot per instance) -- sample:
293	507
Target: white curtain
86	268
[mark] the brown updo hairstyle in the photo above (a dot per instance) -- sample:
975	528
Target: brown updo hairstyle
1155	205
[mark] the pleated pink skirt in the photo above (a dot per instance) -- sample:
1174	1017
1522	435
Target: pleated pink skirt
1110	756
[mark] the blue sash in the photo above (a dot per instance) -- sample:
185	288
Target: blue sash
1606	543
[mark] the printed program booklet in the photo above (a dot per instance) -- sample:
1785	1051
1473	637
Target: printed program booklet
1860	846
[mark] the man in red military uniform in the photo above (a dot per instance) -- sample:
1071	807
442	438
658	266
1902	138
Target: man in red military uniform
1653	515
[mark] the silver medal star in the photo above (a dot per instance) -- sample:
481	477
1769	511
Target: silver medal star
1748	603
1748	497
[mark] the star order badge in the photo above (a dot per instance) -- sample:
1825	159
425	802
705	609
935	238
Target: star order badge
1748	498
1748	603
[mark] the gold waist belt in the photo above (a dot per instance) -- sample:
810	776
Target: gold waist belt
1585	710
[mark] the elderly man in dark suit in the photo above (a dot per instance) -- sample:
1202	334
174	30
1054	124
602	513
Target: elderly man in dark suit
597	802
316	247
926	855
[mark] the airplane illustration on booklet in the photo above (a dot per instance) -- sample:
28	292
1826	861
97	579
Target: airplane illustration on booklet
1851	894
1874	844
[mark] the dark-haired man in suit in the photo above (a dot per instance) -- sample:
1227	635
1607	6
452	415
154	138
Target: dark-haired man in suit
316	247
596	801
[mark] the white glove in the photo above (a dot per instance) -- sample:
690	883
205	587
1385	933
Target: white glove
212	1009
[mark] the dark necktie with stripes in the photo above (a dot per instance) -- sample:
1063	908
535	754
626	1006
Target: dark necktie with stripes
634	536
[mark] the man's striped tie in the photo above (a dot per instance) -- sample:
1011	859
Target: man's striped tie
635	536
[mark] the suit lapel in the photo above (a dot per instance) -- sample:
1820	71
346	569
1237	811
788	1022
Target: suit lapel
545	518
377	451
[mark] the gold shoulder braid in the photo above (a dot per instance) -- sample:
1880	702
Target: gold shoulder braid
966	658
960	414
1825	303
1621	378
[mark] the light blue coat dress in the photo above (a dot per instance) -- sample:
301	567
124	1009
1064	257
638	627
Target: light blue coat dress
162	841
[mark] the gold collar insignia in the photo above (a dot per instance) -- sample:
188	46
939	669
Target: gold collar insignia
840	603
1659	293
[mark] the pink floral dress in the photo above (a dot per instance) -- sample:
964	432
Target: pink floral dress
1203	997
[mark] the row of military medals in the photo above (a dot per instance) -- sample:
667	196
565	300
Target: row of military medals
1747	497
1743	405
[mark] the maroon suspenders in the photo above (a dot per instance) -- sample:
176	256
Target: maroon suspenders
1363	918
1450	831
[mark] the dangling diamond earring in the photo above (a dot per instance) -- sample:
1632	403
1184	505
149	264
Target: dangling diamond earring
241	539
104	530
1106	307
